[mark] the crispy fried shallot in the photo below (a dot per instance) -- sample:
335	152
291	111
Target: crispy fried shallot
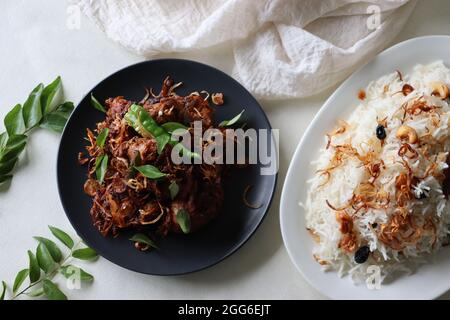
402	230
406	150
348	240
314	235
361	94
343	126
217	99
82	160
407	89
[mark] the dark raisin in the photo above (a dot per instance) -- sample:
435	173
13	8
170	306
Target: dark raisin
374	225
362	254
381	132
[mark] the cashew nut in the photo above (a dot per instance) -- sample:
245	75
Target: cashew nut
440	90
406	132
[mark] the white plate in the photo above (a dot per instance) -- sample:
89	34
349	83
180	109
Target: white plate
430	280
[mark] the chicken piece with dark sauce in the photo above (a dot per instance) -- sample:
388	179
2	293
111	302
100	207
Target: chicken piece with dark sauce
127	199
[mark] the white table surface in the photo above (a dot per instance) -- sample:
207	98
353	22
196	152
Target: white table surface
36	46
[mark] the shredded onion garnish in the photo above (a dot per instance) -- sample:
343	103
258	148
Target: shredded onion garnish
146	97
339	130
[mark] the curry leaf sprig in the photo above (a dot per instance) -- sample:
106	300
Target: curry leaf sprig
41	109
143	240
184	220
142	122
234	120
46	263
146	126
101	163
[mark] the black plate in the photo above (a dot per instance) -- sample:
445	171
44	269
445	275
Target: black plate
178	254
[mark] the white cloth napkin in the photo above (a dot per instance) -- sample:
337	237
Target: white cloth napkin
282	48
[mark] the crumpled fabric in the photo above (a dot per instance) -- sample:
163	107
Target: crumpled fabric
282	48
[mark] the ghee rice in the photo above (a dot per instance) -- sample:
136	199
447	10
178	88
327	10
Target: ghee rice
381	177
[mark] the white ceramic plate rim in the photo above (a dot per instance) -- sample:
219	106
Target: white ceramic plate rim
430	280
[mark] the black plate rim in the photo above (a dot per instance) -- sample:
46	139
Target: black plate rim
233	250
